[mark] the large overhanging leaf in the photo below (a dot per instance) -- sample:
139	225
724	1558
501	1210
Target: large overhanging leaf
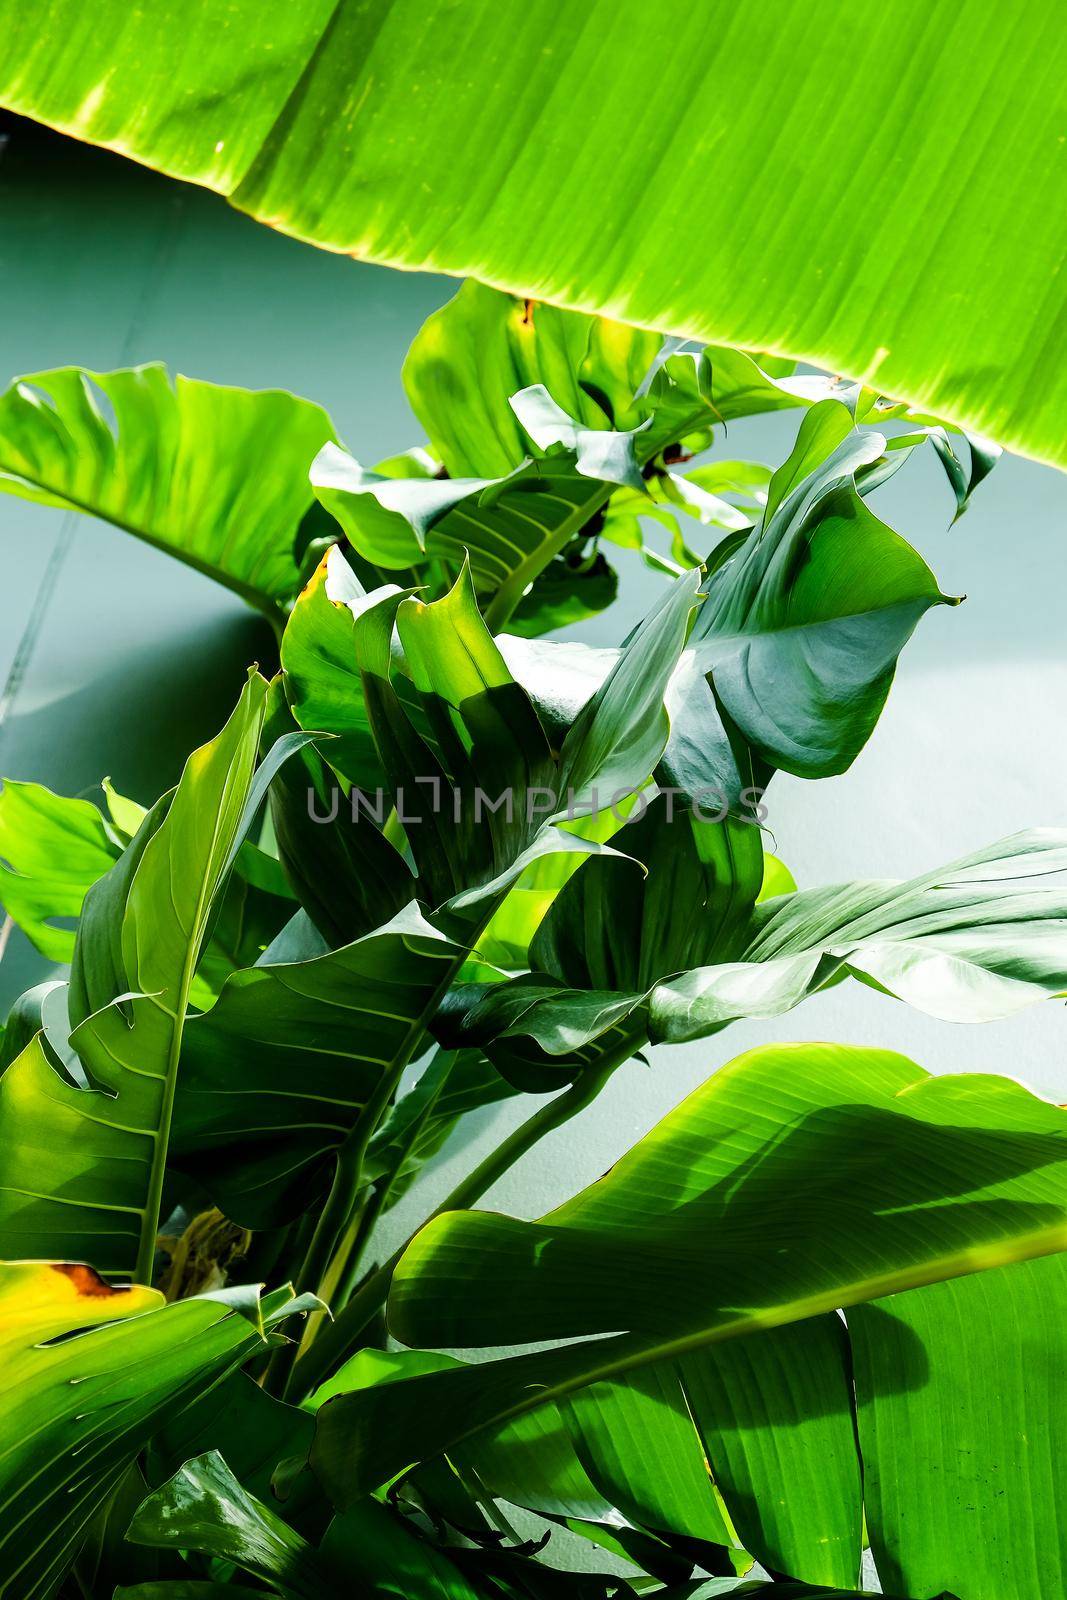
664	1446
84	1150
798	1179
726	1237
215	476
89	1373
454	140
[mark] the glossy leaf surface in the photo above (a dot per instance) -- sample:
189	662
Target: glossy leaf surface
455	141
84	1165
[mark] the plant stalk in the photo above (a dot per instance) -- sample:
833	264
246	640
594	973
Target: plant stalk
336	1214
340	1339
350	1269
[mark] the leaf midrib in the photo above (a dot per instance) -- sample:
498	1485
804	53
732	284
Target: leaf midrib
146	1249
1047	1241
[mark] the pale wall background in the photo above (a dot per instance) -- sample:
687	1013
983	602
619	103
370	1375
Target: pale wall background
130	659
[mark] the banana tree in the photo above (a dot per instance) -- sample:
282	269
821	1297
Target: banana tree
429	867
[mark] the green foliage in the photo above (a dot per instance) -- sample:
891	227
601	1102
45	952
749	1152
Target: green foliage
828	185
51	851
686	949
798	1179
439	862
85	1159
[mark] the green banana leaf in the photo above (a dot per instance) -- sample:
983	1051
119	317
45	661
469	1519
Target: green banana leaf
799	1179
215	476
84	1158
551	496
494	378
689	902
716	1590
959	1397
347	874
204	1508
584	158
796	1167
638	1446
89	1373
622	1461
270	1084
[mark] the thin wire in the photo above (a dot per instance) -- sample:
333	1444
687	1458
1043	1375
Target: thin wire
38	611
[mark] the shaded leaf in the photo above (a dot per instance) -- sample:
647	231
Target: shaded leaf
959	1389
802	627
204	1508
85	1166
275	1075
798	1179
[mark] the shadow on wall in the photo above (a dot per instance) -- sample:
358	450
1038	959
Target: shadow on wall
137	719
136	722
